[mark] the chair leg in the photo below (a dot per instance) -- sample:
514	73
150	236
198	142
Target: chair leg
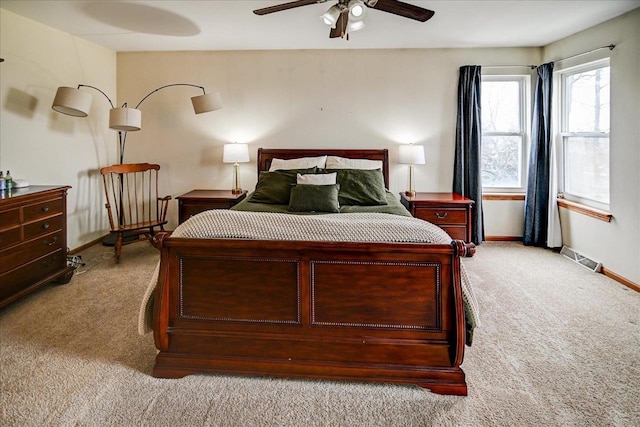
118	245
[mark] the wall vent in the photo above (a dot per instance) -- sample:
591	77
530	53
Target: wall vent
581	259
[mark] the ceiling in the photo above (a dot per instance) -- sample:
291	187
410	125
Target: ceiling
231	25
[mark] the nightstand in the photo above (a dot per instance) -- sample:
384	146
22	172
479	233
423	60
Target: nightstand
197	201
449	211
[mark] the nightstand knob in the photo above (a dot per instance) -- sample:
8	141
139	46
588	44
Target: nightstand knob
441	215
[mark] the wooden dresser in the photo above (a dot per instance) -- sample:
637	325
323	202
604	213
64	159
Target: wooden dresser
449	211
33	240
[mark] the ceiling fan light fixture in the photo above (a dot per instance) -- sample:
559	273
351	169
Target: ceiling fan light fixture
331	16
357	9
355	26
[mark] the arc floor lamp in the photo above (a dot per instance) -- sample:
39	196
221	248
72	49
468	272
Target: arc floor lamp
75	102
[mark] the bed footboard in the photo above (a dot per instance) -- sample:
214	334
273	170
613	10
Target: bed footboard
338	311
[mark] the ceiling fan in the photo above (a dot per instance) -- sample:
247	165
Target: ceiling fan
347	15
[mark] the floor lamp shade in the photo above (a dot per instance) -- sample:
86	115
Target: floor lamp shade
72	102
207	102
125	119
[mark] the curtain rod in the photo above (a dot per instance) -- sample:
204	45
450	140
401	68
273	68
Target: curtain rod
510	66
610	47
533	67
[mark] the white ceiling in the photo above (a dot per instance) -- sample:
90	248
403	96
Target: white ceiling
231	25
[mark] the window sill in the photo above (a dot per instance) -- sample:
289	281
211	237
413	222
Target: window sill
503	196
585	210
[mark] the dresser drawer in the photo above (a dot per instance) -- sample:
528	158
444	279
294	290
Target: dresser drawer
442	215
43	209
9	236
16	280
9	218
17	255
44	226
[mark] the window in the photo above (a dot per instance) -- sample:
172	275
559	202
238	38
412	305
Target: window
584	133
504	133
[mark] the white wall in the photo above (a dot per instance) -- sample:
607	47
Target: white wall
615	244
46	147
345	99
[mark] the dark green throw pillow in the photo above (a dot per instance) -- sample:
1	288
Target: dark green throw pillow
360	187
314	198
274	187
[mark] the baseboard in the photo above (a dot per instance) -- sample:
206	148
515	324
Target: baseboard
626	282
87	245
503	238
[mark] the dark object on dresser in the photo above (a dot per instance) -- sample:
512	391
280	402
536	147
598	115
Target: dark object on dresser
33	240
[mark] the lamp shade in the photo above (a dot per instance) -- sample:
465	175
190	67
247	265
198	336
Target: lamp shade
125	119
331	16
357	9
411	154
235	153
207	102
355	26
72	102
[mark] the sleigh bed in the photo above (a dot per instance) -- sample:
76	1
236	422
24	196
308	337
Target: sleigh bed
349	299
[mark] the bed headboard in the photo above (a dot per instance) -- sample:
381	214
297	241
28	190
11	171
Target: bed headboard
265	155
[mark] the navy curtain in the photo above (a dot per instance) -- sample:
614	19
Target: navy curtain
536	212
466	170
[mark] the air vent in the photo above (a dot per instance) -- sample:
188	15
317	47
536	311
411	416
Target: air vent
580	259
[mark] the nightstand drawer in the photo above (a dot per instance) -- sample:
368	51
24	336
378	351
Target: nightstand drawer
442	216
449	211
456	232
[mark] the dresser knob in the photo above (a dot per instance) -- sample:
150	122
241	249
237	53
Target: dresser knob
45	209
45	226
441	215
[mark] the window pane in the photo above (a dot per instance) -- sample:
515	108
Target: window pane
501	161
501	106
587	101
586	172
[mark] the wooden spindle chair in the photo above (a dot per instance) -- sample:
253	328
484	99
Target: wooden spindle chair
133	203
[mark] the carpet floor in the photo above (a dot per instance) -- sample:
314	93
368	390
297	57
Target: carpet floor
558	346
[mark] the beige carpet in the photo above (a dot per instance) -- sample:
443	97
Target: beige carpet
558	346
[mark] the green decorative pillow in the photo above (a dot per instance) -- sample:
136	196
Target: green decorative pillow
360	187
274	187
314	198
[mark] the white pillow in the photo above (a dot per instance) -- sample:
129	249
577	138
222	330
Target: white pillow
336	162
318	178
299	163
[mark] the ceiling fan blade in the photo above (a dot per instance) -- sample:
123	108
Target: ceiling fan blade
403	9
341	26
285	6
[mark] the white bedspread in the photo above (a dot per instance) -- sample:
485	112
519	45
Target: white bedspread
341	227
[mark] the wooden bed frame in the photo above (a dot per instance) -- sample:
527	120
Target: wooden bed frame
383	312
